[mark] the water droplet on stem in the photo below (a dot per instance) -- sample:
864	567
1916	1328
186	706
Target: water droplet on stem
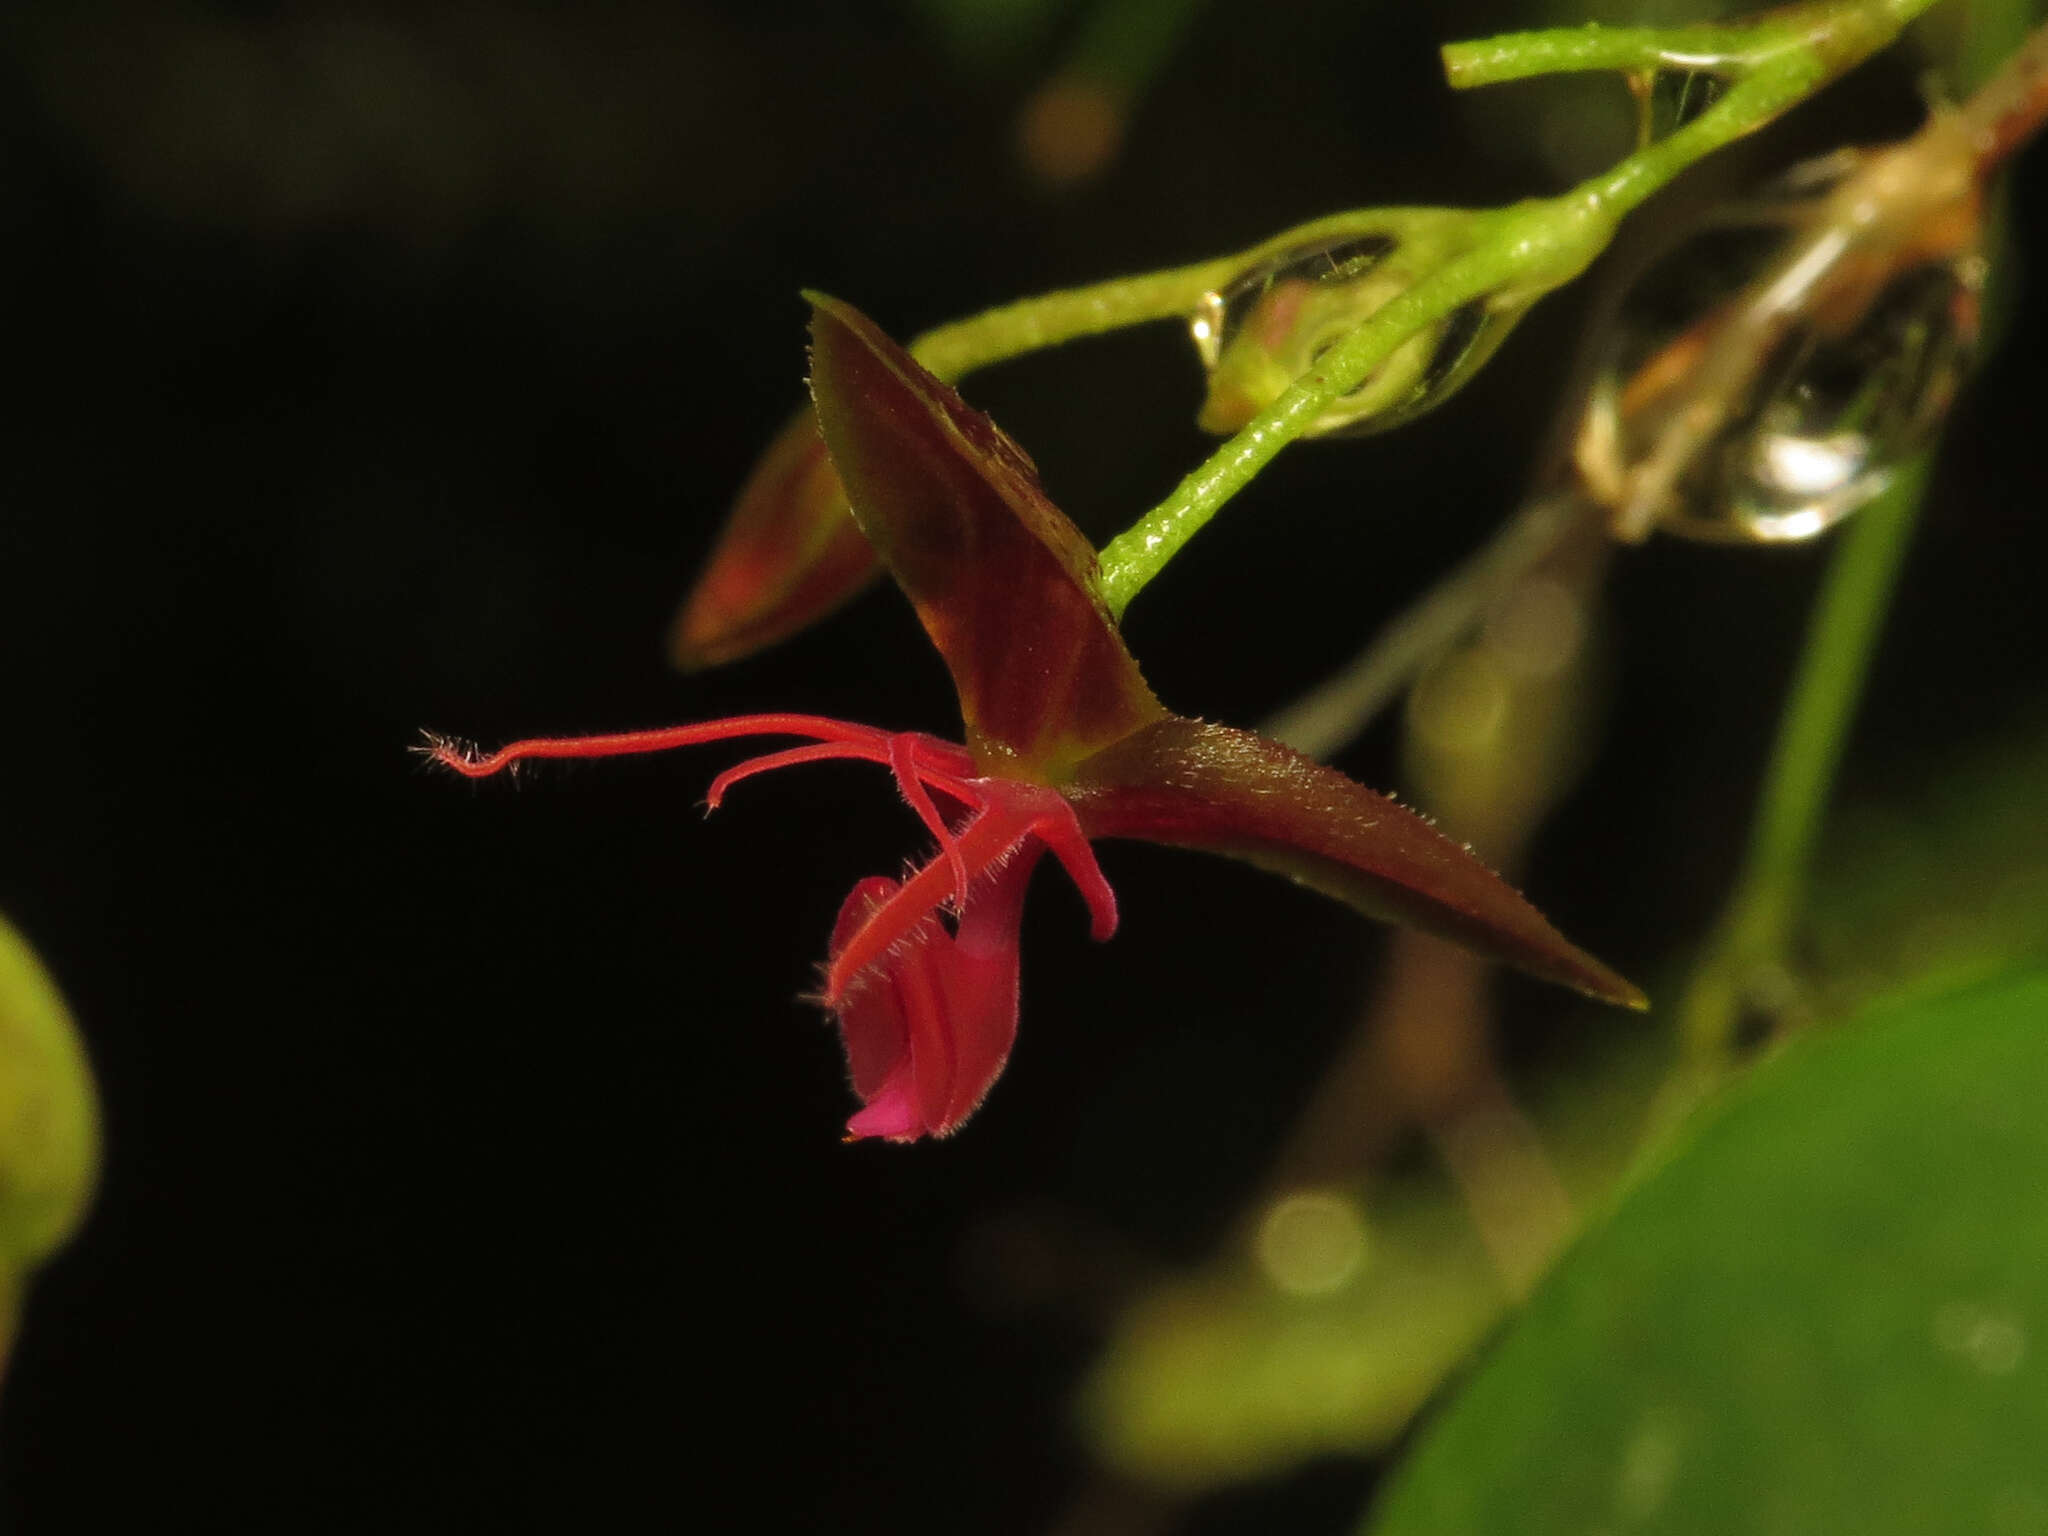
1259	333
1667	99
1769	376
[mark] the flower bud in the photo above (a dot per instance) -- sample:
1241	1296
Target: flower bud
789	554
1260	332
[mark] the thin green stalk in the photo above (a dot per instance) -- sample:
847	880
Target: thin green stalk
1142	551
1745	964
1815	727
1051	318
1746	961
1010	330
1331	716
1727	47
1516	256
1776	86
1576	50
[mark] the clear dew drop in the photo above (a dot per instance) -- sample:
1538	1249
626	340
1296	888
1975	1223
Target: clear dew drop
1809	419
1826	436
1667	99
1206	327
1259	333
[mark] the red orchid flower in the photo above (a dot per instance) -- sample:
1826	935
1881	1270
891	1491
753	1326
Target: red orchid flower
1065	743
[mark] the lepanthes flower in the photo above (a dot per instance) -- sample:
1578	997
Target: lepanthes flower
926	1012
1065	743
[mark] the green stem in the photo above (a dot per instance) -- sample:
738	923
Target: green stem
1746	960
1142	551
1516	255
1574	50
1846	624
1049	319
1333	715
1829	26
1747	956
1775	86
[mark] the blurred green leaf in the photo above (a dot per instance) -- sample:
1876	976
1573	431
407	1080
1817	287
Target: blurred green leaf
49	1120
1938	885
1826	1312
1223	1373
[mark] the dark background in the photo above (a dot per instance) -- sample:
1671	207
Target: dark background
471	1160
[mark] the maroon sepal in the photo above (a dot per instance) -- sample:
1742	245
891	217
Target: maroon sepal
1003	582
1196	785
789	554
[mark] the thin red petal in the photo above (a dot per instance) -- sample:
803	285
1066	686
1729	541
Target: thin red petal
903	759
1003	582
1196	785
858	741
789	554
1061	832
770	762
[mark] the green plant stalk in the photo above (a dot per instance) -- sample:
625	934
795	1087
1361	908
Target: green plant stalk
1751	944
1048	319
1829	24
1330	716
1572	50
1522	253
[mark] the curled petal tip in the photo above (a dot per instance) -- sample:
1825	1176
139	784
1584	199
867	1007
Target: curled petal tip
459	756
